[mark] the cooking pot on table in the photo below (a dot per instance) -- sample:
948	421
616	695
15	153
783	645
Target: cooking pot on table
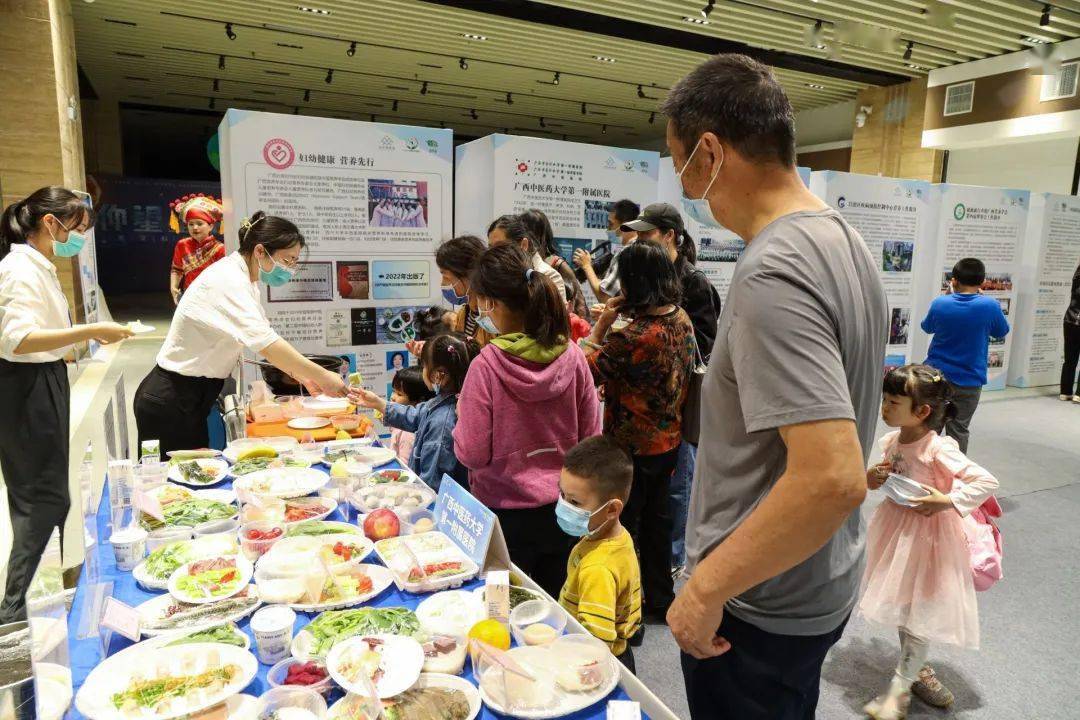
281	383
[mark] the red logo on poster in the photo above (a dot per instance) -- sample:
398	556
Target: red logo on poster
522	167
278	153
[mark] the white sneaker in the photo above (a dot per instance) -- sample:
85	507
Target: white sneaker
1066	398
1076	399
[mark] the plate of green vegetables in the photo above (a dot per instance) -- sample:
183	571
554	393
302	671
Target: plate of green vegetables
201	472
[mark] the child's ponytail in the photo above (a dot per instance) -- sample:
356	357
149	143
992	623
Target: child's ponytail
546	318
925	386
451	353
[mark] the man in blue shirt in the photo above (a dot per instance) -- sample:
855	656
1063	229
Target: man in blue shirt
962	324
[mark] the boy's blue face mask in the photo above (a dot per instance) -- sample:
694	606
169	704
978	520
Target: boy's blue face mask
574	521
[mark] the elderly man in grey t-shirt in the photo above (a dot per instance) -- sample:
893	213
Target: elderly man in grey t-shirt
789	407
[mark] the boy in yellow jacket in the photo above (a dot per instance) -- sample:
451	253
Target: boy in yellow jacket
603	581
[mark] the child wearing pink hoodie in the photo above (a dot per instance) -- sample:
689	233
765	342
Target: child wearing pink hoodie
528	398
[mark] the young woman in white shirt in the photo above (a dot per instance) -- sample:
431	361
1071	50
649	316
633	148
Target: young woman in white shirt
35	335
219	316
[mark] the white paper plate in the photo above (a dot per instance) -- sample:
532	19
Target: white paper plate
114	674
402	660
208	546
566	702
436	680
284	482
325	403
219	468
243	567
281	443
373	456
308	423
381	578
451	612
407	477
155	608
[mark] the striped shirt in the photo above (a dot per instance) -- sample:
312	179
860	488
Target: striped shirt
603	589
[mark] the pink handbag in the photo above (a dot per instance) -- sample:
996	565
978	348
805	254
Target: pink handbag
984	543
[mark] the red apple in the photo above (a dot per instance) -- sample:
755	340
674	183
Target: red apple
381	524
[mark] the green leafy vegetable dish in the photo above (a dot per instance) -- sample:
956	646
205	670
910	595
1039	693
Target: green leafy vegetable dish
335	625
243	467
319	527
195	474
189	513
149	694
226	634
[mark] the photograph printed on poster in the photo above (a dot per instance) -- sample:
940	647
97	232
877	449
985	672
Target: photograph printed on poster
946	282
995	359
311	283
896	255
894	361
567	246
997	282
898	326
997	341
397	359
596	214
397	203
353	280
1006	305
363	326
720	250
396	325
349	358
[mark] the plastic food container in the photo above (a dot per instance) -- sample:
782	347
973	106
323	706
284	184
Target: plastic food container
277	674
216	527
291	702
402	498
349	423
537	622
166	535
432	562
266	534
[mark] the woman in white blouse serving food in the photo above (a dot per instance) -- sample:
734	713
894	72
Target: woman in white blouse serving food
35	335
219	315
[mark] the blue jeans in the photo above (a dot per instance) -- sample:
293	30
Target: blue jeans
680	501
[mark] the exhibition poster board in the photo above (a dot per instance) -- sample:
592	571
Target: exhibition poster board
895	218
1044	286
718	249
373	200
988	224
574	184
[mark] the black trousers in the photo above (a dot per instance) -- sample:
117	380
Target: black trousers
537	545
762	677
627	659
1072	355
34	459
172	409
647	517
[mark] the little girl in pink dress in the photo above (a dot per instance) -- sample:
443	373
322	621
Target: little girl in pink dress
918	568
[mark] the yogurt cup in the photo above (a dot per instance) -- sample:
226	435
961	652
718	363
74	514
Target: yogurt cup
272	626
129	546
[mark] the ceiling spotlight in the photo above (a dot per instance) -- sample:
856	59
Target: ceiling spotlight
461	63
652	118
555	79
509	98
329	75
1035	40
423	88
1045	19
907	50
229	31
695	21
217	84
473	115
707	9
815	35
564	137
640	92
815	86
394	106
372	117
211	104
352	49
220	62
542	123
312	10
862	115
307	96
584	109
471	36
603	129
603	59
296	110
442	124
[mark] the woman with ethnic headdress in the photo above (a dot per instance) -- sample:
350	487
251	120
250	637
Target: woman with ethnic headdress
193	254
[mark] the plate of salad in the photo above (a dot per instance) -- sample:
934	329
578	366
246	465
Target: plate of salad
321	527
343	587
201	472
165	614
210	579
153	683
154	571
318	637
391	662
189	513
